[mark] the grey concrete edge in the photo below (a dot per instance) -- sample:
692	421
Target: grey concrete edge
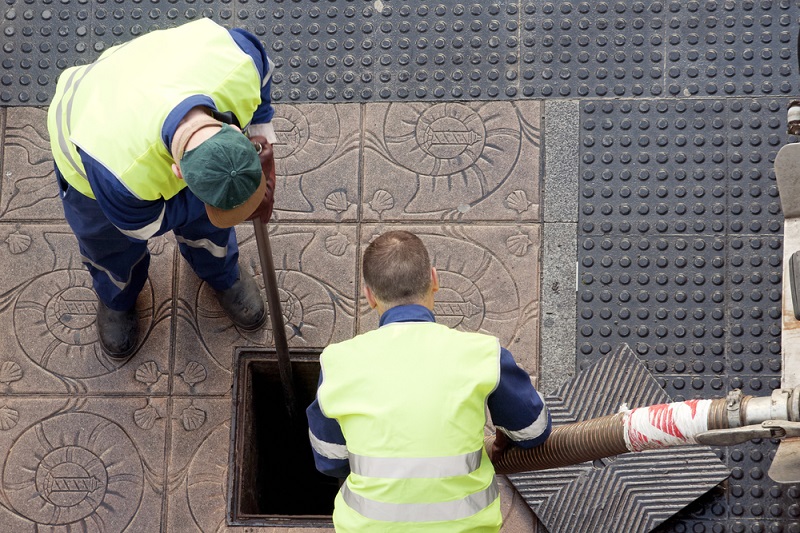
559	243
558	320
561	161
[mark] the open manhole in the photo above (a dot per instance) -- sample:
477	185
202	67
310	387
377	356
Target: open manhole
273	480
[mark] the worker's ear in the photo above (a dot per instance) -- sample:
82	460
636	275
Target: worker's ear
434	280
373	303
177	171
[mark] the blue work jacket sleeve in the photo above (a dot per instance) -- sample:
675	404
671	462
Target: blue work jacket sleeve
327	442
250	44
517	409
135	218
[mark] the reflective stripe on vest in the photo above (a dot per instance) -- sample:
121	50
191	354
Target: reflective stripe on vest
59	120
391	390
115	108
421	512
415	467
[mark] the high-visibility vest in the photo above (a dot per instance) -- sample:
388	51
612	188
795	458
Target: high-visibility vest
410	398
114	109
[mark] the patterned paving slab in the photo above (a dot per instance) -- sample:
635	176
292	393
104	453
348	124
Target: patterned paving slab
317	156
399	50
27	190
49	306
96	464
460	162
198	459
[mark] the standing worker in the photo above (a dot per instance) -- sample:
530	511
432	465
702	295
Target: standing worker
147	139
400	411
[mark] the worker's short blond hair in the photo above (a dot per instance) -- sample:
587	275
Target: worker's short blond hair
397	268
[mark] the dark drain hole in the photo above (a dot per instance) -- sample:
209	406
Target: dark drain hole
274	479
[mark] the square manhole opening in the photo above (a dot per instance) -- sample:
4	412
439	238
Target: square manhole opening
272	478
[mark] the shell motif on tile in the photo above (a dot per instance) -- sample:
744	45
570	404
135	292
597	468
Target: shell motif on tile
193	418
146	417
337	201
518	244
194	373
10	372
148	373
18	242
156	245
518	201
381	201
8	417
337	244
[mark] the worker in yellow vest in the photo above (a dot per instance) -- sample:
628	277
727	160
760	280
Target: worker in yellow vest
400	411
148	139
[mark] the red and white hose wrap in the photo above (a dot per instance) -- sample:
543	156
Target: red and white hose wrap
663	425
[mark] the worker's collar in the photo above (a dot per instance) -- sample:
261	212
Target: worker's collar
407	313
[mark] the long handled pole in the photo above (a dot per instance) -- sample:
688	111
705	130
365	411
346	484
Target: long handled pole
276	316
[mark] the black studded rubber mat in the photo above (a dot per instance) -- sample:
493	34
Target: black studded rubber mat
368	50
680	257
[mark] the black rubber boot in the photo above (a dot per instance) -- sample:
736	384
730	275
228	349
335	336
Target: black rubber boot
243	303
118	331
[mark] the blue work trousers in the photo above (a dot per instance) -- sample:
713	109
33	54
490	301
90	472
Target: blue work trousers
119	265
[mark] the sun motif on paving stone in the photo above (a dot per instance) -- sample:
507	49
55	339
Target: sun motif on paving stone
74	472
305	140
463	152
476	290
57	312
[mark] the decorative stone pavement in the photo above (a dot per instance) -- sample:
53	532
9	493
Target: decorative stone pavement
87	443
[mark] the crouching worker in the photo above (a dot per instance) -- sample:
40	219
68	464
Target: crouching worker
400	411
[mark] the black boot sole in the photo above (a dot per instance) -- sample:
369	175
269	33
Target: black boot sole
113	355
254	326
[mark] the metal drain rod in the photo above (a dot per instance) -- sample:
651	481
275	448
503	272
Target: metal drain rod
276	317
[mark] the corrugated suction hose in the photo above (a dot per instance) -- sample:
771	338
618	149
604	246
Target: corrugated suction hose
607	436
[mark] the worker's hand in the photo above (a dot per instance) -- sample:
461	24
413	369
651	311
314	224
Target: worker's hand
499	445
267	158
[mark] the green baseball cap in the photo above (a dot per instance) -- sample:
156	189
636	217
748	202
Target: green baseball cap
225	173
